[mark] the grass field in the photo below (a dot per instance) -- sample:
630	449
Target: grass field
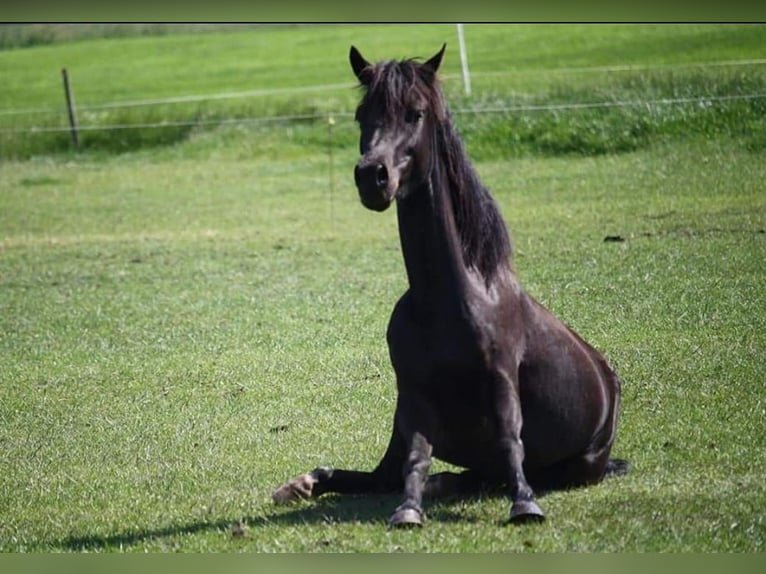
185	326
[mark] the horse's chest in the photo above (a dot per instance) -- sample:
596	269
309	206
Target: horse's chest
451	364
427	353
448	364
451	332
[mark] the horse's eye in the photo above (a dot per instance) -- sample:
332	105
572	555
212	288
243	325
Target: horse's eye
413	116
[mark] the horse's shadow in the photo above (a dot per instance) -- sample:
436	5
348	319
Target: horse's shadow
327	510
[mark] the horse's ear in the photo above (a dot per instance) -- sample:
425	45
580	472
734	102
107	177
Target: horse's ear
434	63
360	66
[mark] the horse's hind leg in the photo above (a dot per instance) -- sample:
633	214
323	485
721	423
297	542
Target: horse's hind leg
585	469
385	478
580	470
326	479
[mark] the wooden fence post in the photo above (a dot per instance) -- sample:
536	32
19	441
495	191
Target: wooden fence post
70	109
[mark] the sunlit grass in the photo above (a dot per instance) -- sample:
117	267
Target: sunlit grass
184	326
638	77
172	351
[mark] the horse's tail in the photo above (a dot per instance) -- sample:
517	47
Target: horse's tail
617	467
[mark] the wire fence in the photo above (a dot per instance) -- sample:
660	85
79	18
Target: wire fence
266	120
196	98
701	101
182	99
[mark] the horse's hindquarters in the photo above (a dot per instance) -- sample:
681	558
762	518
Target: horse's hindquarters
569	396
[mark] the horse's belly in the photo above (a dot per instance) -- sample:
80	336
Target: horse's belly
473	444
468	436
466	449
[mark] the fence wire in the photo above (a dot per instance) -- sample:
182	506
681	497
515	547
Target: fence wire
265	120
330	87
700	100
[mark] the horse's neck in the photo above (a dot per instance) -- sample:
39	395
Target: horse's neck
431	247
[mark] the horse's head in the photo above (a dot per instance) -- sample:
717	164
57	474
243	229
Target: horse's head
401	100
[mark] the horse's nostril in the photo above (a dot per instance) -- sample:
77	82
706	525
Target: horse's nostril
381	176
371	177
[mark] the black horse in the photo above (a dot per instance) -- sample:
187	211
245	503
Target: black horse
487	378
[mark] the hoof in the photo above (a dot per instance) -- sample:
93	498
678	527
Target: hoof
525	512
406	518
298	488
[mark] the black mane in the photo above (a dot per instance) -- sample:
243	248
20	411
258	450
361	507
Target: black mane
483	234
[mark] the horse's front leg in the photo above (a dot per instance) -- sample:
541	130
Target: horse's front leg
415	422
507	412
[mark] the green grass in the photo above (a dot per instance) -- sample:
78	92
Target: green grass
184	327
14	36
511	66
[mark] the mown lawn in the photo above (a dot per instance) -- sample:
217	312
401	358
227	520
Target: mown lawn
184	327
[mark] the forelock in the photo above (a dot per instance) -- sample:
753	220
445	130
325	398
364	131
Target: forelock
394	85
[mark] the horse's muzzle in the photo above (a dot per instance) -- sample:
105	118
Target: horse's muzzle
374	184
